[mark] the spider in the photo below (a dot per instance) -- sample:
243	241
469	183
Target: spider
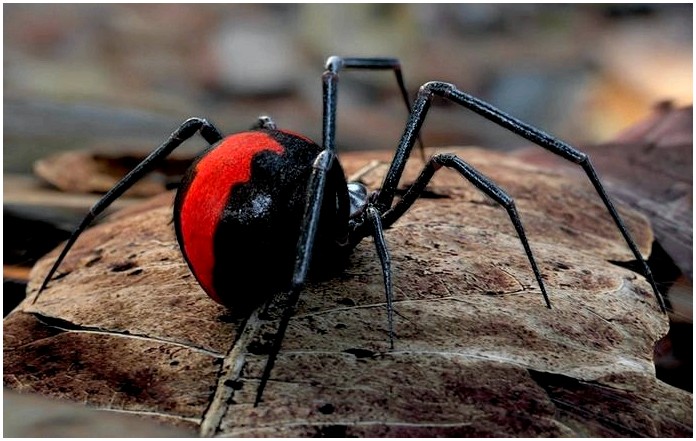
272	202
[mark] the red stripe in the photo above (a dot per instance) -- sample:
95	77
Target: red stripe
227	165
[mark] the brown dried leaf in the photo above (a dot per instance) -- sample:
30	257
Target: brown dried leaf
96	172
477	353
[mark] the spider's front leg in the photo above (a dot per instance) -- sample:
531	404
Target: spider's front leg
451	93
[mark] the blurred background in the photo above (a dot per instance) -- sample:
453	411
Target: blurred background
107	76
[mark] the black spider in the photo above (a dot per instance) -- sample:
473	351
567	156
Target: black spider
272	199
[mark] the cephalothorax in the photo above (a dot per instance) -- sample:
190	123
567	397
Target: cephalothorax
258	209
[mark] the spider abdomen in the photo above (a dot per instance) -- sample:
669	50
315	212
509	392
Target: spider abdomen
238	214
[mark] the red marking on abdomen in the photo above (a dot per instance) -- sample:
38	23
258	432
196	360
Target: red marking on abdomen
227	165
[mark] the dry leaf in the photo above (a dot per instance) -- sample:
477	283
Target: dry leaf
126	327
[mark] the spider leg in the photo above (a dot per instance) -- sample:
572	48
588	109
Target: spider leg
189	128
315	190
310	220
450	92
385	260
482	183
336	63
